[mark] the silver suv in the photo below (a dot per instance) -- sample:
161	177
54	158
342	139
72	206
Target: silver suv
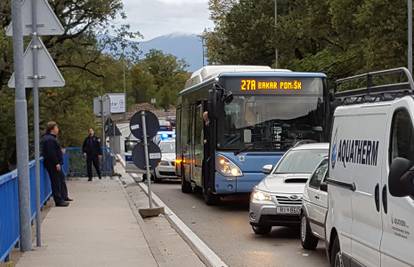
277	199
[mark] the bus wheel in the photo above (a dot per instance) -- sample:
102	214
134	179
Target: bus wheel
186	186
209	198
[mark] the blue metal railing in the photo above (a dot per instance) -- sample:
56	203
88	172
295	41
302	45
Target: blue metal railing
73	165
9	204
77	163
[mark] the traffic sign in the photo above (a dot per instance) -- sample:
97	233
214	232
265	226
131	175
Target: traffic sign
48	73
97	106
138	155
47	22
152	123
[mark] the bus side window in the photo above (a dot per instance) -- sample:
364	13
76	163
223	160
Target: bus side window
185	134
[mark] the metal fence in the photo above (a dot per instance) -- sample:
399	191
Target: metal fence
9	204
74	166
77	163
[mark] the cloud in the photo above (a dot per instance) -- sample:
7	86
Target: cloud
159	17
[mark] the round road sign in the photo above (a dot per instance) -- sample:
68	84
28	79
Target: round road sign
151	121
138	155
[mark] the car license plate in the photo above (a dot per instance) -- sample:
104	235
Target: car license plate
288	210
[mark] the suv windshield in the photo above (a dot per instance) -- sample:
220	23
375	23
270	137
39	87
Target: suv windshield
272	122
301	161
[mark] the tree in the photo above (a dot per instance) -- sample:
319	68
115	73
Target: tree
81	54
160	76
338	37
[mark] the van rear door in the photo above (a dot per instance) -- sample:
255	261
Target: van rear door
397	243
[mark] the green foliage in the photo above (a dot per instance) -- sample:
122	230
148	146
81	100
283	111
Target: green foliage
88	71
338	37
160	76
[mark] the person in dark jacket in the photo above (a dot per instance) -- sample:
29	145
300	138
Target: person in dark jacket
93	152
53	161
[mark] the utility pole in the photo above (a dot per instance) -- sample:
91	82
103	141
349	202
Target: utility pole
35	49
410	36
125	93
202	48
276	50
22	140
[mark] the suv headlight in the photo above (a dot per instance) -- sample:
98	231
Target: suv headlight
226	167
260	196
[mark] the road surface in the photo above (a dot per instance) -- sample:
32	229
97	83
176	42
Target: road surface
226	230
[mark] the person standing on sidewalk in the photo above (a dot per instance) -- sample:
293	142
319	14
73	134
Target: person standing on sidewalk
93	152
53	161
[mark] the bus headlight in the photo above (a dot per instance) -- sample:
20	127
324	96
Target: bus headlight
226	167
260	196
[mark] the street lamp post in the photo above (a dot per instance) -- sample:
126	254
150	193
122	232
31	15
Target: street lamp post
410	36
124	84
276	50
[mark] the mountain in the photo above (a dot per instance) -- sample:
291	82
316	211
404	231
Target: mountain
183	46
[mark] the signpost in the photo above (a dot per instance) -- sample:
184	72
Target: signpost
118	104
35	69
144	125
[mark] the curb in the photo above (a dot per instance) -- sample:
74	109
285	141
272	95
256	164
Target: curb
207	256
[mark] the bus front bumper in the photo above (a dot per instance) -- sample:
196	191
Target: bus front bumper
234	185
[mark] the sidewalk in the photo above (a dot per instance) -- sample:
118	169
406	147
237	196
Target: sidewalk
100	229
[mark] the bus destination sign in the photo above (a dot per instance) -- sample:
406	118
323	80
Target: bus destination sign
270	85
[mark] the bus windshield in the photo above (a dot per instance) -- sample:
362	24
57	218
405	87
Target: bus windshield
271	122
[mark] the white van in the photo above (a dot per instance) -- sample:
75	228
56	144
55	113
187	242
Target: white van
370	219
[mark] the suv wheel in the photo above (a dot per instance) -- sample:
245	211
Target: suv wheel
336	255
261	229
308	240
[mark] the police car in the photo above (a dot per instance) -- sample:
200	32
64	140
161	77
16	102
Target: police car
130	143
370	218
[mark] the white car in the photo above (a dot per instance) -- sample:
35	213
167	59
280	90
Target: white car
277	199
166	167
314	207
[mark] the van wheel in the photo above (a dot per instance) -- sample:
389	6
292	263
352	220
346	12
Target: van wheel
336	255
209	198
261	229
309	241
186	186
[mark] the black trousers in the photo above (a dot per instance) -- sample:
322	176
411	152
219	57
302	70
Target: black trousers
95	162
57	180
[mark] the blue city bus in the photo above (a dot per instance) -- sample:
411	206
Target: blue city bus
233	120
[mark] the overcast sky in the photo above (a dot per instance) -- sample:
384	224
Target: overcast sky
159	17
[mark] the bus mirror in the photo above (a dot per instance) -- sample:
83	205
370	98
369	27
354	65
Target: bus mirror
228	98
212	103
247	136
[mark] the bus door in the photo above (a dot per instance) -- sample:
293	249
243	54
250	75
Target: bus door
197	144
